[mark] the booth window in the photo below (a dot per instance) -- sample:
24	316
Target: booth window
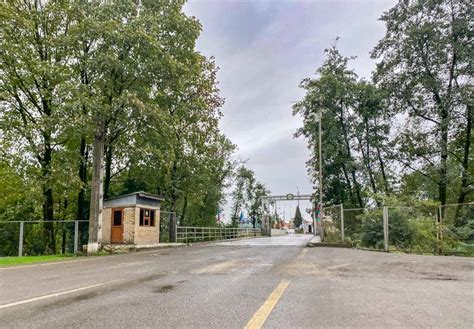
147	217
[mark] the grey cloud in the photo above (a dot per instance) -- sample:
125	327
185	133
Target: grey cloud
264	49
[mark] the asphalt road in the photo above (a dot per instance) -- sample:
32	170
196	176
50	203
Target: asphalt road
271	282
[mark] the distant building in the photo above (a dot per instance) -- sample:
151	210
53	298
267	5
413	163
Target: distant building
291	224
308	226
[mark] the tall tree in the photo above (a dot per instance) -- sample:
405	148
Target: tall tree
298	220
128	57
34	71
330	97
425	63
257	192
243	179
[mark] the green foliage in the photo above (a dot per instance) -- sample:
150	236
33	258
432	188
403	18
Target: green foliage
355	127
423	67
12	261
401	231
126	73
247	195
406	135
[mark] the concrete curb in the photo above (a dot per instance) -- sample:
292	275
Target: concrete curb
329	245
316	242
122	249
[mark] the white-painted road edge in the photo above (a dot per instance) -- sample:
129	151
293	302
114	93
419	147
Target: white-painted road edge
34	299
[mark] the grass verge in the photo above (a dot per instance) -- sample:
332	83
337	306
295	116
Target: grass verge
11	261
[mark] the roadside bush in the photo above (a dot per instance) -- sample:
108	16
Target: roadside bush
372	229
401	231
424	239
353	224
459	240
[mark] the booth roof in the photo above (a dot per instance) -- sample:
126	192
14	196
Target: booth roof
141	194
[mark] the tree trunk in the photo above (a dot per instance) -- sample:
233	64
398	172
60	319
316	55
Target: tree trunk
48	200
382	169
185	208
442	185
368	164
348	182
465	169
173	201
81	196
108	170
95	213
357	187
349	155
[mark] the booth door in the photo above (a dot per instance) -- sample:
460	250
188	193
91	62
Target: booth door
117	226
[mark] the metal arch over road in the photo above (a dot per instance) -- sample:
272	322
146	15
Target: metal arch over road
273	199
288	197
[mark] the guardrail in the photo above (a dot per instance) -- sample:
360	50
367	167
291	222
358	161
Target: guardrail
188	234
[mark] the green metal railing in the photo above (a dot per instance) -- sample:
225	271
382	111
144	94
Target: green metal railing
189	234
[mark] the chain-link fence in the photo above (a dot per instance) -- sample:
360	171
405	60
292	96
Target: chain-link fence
30	238
352	224
368	228
428	228
331	224
414	228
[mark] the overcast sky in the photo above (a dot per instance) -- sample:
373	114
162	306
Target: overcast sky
264	49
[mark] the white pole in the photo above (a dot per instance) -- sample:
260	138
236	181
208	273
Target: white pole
342	222
76	236
385	228
20	243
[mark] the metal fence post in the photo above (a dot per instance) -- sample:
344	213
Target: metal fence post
20	243
175	238
385	228
342	222
76	236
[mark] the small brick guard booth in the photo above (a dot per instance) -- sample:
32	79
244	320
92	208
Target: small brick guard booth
132	219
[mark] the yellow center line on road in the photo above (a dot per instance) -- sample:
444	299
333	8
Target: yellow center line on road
259	318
